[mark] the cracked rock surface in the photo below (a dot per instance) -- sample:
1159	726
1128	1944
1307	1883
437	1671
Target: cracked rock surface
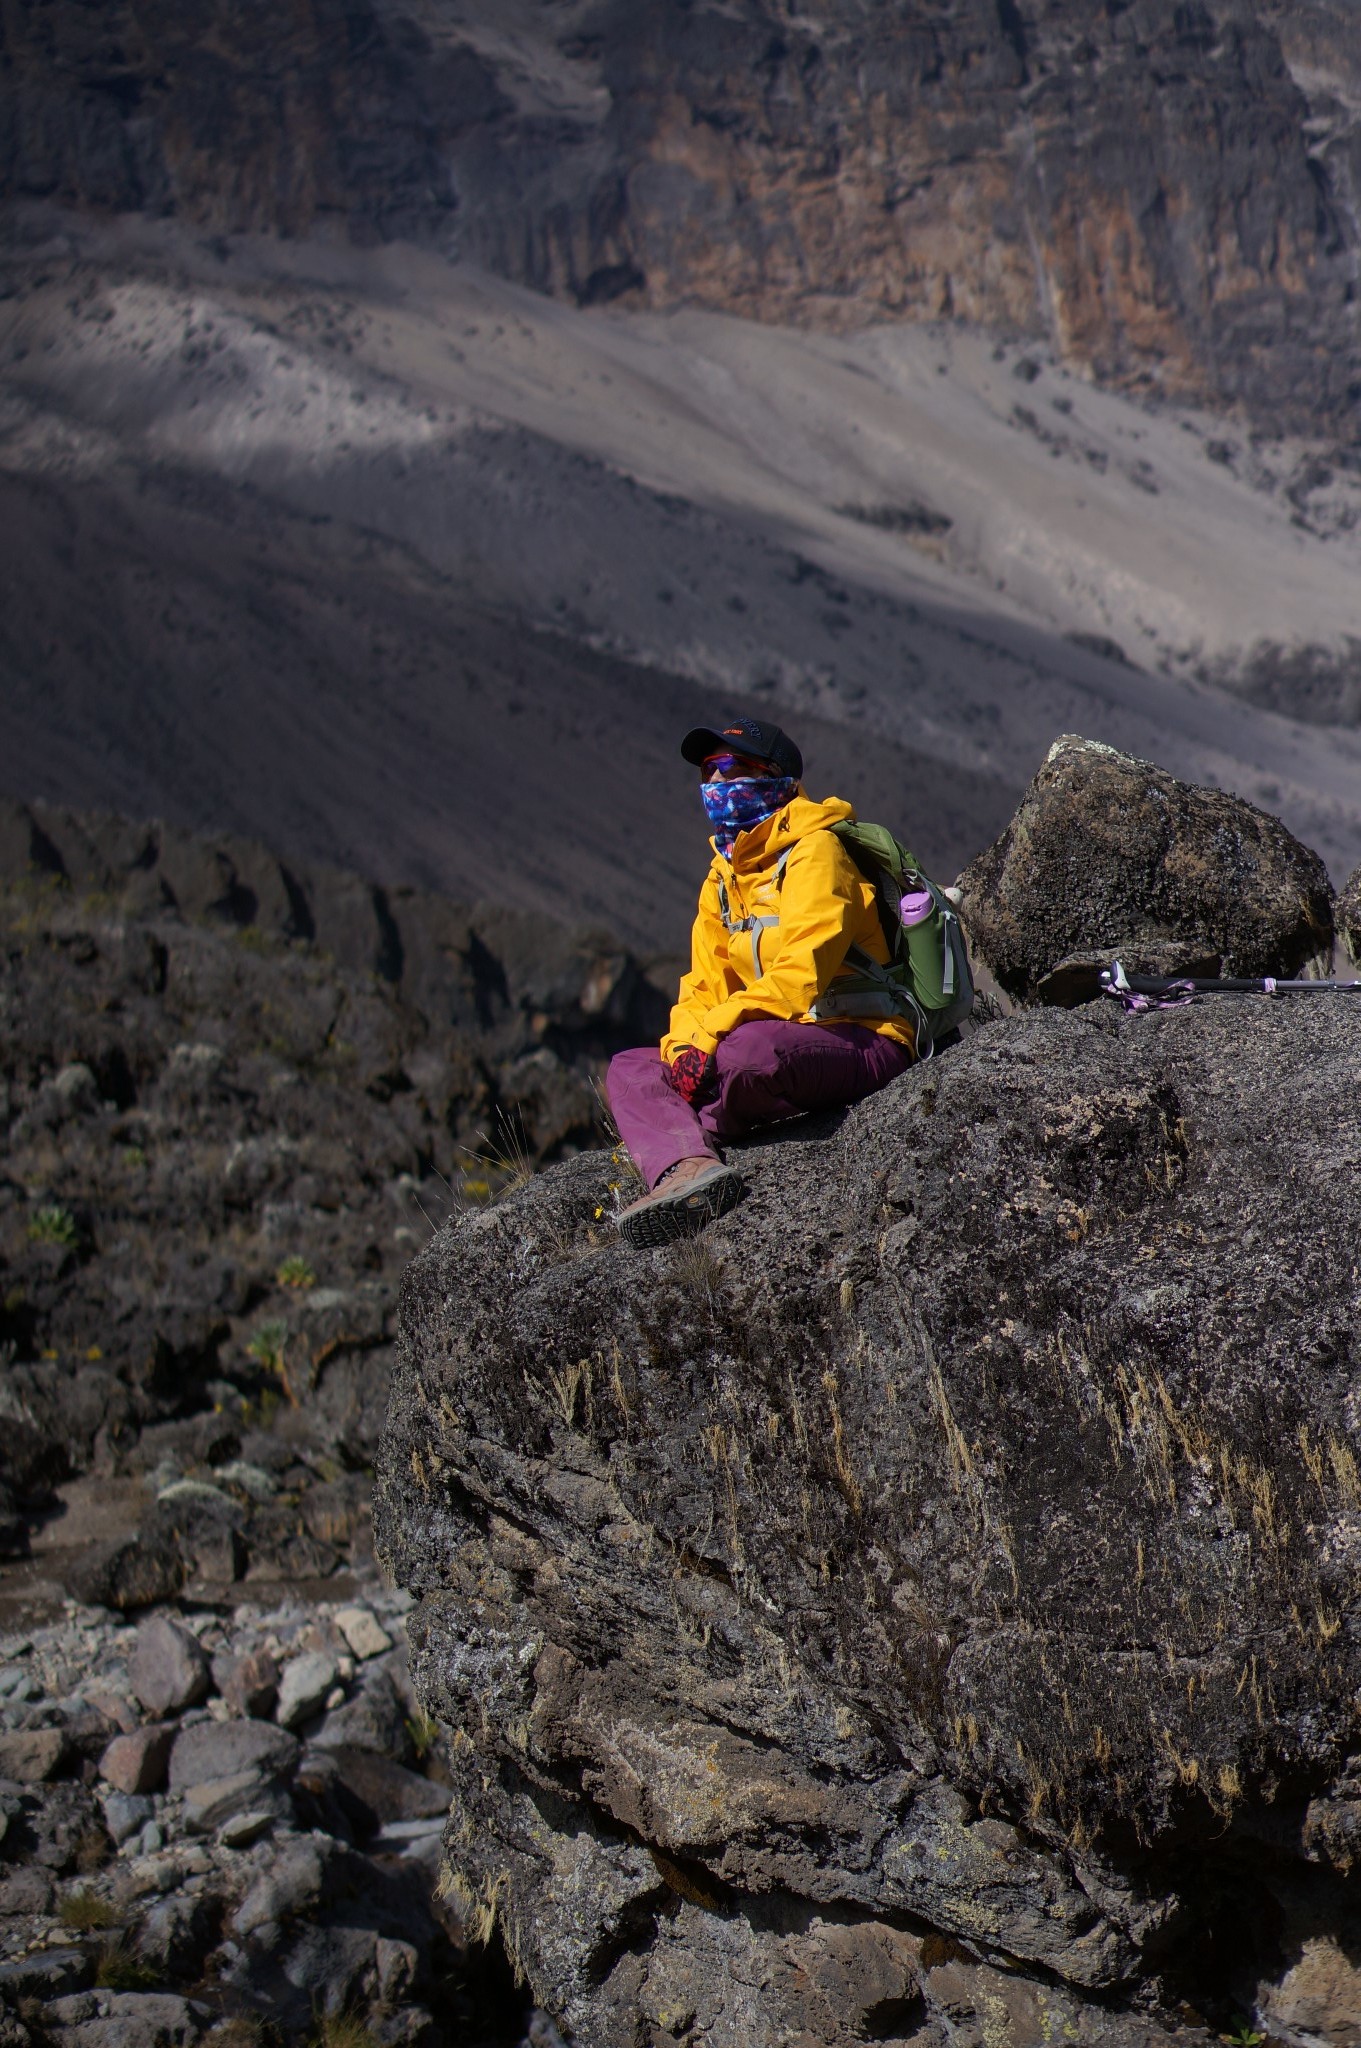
924	1607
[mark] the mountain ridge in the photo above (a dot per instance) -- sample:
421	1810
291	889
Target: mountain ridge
1153	194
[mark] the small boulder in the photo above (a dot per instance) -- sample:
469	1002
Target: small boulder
386	1790
32	1754
248	1682
136	1763
244	1828
1109	857
209	1805
221	1749
363	1632
125	1815
169	1669
292	1884
126	1573
304	1686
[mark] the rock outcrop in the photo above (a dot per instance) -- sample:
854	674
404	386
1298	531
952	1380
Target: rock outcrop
924	1607
1110	857
516	983
1148	190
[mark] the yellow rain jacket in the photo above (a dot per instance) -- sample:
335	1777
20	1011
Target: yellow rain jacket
813	912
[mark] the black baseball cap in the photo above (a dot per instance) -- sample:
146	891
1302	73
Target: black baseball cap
745	736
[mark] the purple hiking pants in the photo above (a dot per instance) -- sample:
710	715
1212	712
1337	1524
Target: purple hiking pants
766	1071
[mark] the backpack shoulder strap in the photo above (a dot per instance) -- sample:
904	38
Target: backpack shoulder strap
754	925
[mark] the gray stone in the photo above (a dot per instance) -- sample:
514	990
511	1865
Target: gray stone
134	2019
248	1681
389	1791
31	1755
363	1632
292	1884
136	1763
244	1828
125	1815
916	1569
169	1668
304	1686
222	1749
208	1805
53	1973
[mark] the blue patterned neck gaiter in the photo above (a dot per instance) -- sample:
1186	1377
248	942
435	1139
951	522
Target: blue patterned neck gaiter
734	807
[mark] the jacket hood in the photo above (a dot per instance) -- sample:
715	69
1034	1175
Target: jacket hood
763	844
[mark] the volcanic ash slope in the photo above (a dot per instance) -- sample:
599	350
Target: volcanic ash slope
447	541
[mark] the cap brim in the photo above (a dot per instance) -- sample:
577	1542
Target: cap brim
697	746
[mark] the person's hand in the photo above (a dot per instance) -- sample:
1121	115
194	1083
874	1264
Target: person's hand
694	1075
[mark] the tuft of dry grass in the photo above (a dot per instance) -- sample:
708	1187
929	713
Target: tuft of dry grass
697	1270
118	1967
84	1912
343	2030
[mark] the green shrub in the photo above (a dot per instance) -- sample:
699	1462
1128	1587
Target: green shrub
269	1348
294	1271
53	1225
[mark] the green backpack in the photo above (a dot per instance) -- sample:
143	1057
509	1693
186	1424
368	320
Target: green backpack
928	977
928	973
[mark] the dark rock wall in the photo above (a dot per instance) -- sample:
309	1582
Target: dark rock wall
1145	187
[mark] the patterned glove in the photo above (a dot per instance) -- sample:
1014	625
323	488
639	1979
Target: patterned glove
694	1075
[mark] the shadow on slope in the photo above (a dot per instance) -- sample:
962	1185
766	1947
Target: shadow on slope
186	648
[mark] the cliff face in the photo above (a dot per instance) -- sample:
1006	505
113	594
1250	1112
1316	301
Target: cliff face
1147	189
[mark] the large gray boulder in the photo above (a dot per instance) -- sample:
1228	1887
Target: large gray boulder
925	1606
1111	857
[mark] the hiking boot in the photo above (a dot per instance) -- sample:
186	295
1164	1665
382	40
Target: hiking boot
687	1195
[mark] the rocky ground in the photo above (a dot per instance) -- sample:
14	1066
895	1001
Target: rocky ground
220	1803
225	1821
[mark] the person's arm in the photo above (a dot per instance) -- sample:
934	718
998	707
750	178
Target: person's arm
710	981
822	907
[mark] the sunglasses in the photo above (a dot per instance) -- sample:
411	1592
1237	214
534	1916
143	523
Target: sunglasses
733	768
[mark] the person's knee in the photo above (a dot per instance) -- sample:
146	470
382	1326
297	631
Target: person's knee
631	1063
629	1071
745	1054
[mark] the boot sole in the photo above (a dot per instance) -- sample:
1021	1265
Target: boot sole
663	1221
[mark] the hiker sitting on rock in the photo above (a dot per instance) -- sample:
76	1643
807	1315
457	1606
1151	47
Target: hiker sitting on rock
788	948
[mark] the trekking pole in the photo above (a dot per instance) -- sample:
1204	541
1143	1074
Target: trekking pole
1167	992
